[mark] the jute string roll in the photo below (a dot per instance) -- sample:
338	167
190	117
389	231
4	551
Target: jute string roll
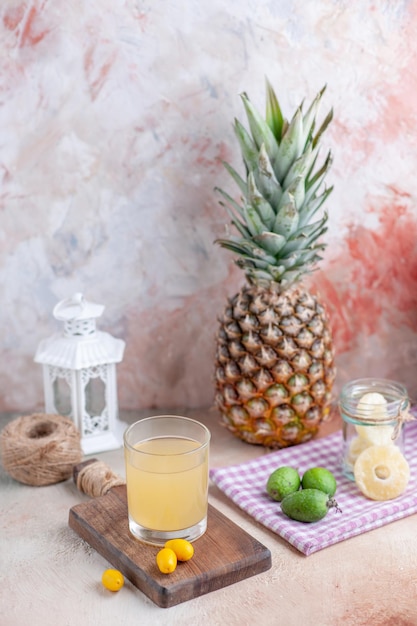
96	478
40	449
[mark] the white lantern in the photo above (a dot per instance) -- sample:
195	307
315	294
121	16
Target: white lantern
79	374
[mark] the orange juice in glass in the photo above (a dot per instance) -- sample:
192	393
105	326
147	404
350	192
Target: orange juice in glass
167	460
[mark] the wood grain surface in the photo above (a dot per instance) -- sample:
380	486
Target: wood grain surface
224	555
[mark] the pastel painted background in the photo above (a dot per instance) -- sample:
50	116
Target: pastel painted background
115	116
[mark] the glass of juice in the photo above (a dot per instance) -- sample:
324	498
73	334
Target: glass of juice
167	462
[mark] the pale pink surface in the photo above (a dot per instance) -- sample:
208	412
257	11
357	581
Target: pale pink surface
114	120
53	577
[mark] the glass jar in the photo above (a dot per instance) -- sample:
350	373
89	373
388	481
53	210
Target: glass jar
371	420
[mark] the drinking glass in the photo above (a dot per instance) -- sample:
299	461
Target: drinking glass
167	462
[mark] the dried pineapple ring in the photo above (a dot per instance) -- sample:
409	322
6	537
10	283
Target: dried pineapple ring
381	472
376	435
356	446
374	406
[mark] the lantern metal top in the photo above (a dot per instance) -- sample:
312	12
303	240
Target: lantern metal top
80	345
77	308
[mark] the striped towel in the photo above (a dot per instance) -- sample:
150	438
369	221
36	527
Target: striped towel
245	485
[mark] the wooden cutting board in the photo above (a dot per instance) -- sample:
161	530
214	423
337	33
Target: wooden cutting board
224	555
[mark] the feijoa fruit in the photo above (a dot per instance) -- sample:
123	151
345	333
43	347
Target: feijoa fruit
319	478
307	505
283	481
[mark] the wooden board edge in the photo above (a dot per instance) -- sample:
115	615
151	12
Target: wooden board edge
87	533
166	597
202	587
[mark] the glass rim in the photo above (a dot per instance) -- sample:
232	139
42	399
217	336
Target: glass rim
200	447
348	401
369	384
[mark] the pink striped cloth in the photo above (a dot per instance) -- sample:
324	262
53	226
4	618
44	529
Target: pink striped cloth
245	485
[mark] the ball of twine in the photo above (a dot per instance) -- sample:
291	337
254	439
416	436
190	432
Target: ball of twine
40	449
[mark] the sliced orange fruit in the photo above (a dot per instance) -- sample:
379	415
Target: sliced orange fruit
381	472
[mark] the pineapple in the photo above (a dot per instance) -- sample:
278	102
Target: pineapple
275	357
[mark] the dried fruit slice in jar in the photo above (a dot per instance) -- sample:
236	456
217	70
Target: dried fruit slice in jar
381	472
357	445
373	406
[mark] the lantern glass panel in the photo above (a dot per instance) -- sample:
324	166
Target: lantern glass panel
62	396
95	396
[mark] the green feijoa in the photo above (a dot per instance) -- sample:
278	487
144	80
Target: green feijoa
319	478
307	505
283	481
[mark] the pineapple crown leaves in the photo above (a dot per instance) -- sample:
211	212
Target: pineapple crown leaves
280	194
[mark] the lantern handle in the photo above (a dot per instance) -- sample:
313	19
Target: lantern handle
76	308
78	298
